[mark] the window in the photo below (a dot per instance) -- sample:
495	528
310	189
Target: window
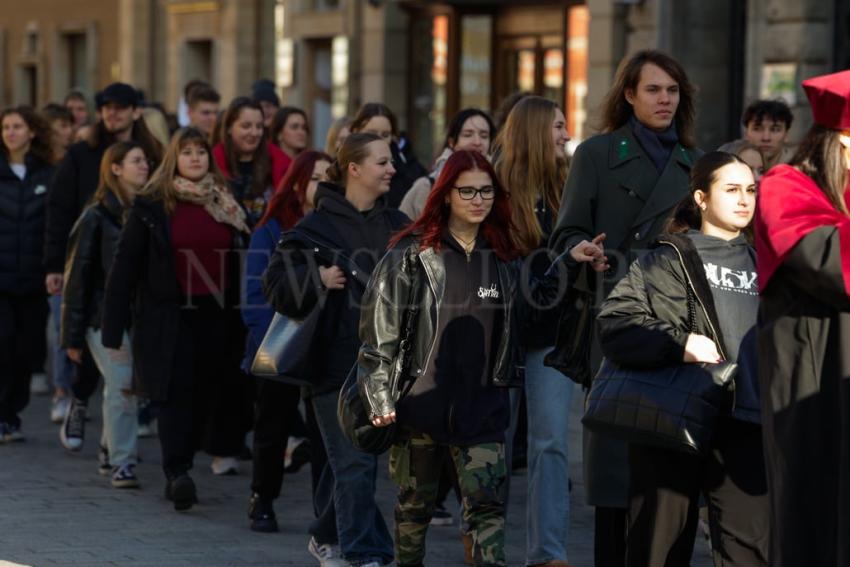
476	45
430	74
198	60
75	53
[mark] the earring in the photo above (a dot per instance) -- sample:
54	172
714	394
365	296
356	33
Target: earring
702	206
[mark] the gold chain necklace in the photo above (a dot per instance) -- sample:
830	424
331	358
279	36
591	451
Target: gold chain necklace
468	247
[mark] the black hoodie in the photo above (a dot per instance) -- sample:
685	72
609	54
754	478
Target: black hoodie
362	236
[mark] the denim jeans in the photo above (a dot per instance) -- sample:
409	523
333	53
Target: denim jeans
363	534
120	409
548	397
62	369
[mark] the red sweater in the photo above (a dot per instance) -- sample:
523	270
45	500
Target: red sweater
280	162
200	244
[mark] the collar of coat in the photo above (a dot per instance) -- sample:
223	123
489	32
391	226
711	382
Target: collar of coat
625	148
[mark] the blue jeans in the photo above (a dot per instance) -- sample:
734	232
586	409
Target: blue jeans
548	397
363	534
62	369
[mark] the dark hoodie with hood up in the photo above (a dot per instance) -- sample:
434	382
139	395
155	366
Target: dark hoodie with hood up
335	233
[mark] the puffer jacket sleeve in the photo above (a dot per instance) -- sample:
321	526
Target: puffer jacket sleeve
630	332
292	284
80	266
384	303
61	212
123	279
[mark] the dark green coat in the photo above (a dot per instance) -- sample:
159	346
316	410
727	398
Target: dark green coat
614	187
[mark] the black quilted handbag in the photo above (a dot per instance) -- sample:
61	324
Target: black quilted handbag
674	407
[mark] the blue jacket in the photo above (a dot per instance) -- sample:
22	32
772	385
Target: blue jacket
256	312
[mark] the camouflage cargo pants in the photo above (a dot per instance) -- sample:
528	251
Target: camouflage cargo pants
415	465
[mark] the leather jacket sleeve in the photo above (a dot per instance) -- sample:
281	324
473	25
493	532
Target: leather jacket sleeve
380	332
291	283
630	332
123	279
83	252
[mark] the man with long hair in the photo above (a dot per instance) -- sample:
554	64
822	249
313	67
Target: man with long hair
624	183
73	186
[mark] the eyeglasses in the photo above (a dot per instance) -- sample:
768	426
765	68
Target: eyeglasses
488	192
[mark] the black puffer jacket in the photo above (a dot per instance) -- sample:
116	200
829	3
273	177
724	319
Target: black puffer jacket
22	221
91	248
390	289
336	233
644	322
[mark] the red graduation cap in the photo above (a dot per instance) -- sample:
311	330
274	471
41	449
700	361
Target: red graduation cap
829	96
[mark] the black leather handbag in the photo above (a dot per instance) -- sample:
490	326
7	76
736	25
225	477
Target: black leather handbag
674	407
574	336
353	412
286	352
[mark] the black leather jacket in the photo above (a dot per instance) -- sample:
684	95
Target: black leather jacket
91	248
379	366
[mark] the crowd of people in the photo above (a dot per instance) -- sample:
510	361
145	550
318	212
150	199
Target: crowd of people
468	304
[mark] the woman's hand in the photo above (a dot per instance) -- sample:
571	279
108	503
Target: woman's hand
332	278
53	283
75	354
383	421
592	252
700	348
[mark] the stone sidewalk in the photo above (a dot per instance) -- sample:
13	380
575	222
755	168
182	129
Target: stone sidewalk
56	510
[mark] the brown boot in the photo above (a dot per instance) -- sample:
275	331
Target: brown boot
467	549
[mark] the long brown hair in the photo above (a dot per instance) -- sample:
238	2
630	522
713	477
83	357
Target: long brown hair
262	173
526	164
139	133
821	156
161	184
616	110
40	145
108	182
370	110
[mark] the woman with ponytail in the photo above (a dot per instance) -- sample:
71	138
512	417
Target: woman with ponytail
324	263
705	261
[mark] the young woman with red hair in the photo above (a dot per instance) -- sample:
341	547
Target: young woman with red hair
277	403
454	273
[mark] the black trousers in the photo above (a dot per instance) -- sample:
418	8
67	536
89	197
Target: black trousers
23	320
86	377
274	417
203	372
609	537
664	507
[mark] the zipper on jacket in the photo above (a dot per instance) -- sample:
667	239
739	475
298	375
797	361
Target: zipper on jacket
436	308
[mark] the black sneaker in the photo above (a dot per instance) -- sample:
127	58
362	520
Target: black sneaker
441	517
103	466
301	455
262	515
181	491
73	430
12	433
124	477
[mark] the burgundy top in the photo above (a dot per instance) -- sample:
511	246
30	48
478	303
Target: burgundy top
200	244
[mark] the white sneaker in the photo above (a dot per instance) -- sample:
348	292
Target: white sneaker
224	466
326	554
146	430
39	385
59	408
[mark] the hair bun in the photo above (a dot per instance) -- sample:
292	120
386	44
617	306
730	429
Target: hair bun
333	173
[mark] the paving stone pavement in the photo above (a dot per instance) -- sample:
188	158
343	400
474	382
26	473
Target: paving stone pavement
56	510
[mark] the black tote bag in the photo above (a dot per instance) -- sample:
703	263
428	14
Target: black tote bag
286	353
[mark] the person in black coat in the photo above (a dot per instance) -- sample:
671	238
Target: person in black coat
649	321
324	264
376	118
91	248
177	270
25	174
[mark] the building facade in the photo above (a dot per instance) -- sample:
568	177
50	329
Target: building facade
425	58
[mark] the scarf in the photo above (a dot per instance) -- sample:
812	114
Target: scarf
658	145
216	199
790	206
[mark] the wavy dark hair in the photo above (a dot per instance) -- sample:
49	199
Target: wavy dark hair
40	146
370	110
139	133
287	204
458	120
262	173
496	227
280	118
616	110
687	214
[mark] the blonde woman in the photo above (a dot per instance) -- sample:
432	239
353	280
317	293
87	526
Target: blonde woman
124	169
177	269
530	160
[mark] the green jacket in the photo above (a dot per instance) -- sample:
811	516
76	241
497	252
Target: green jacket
614	187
